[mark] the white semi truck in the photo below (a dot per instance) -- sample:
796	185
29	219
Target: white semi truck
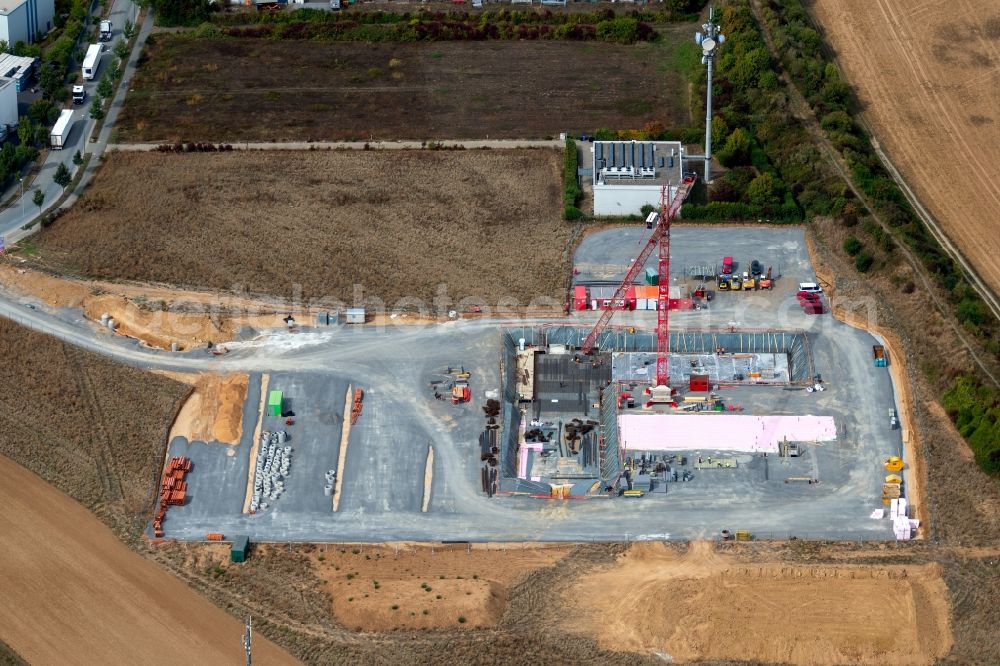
91	61
106	30
60	131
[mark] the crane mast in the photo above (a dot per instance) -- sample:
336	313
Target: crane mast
660	238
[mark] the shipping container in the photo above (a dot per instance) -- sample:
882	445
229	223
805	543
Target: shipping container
355	316
580	297
274	402
238	552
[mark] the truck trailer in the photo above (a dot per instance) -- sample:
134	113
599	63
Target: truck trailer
60	131
91	61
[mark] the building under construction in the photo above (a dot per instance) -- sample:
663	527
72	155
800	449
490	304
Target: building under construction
580	423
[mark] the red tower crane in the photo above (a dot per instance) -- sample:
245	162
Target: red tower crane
661	238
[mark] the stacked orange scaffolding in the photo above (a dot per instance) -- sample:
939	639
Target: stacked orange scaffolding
173	490
359	395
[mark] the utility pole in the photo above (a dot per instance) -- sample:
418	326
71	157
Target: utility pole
247	636
709	40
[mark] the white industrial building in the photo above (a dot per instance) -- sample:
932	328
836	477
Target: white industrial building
8	102
25	20
630	174
19	68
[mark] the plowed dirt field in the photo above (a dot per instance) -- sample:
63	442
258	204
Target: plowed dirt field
73	594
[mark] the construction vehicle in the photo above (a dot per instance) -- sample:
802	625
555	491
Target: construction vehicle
749	282
755	268
736	284
460	393
894	464
766	282
878	354
660	239
723	283
633	493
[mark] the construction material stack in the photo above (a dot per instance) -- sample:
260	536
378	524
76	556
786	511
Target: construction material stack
173	490
359	397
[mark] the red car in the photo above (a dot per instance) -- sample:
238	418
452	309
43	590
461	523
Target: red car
813	308
727	265
807	297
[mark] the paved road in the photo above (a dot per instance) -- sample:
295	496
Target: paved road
23	210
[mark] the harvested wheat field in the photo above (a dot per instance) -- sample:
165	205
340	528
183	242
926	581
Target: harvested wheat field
928	77
384	588
703	605
74	594
327	226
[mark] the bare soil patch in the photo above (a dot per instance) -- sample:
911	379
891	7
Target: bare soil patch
430	587
74	594
331	227
214	410
929	81
261	90
707	606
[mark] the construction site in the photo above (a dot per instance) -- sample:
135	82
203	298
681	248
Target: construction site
698	413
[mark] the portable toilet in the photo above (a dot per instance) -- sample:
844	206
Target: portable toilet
652	277
274	400
238	552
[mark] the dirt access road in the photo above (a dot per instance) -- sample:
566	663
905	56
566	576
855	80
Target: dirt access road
928	76
73	594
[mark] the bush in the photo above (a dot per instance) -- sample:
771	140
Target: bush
863	262
852	245
572	213
975	409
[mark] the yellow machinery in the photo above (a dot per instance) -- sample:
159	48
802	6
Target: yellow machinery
736	284
894	464
633	493
743	535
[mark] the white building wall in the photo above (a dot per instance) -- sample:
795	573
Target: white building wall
621	200
14	25
27	22
8	101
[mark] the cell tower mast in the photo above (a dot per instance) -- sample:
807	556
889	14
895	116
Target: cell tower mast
709	39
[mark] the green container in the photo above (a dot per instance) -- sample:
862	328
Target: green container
274	400
652	277
238	553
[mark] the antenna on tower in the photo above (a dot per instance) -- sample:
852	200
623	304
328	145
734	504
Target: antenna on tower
709	39
247	637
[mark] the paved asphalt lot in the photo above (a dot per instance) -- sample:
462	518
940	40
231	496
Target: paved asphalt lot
384	472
